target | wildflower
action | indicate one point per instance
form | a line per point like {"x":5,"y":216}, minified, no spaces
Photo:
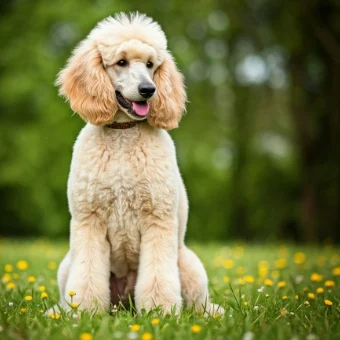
{"x":226,"y":279}
{"x":135,"y":328}
{"x":299,"y":258}
{"x":72,"y":293}
{"x":85,"y":336}
{"x":281,"y":284}
{"x":249,"y":279}
{"x":306,"y":303}
{"x":44,"y":295}
{"x":241,"y":271}
{"x":305,"y":289}
{"x":240,"y":281}
{"x":285,"y":297}
{"x":263,"y":268}
{"x":42,"y":288}
{"x":329,"y":283}
{"x":15,"y":276}
{"x":336,"y":271}
{"x":296,"y":297}
{"x":74,"y":305}
{"x":7,"y":277}
{"x":281,"y":263}
{"x":23,"y":310}
{"x":31,"y":279}
{"x":261,"y":290}
{"x":268,"y":282}
{"x":22,"y":265}
{"x":315,"y":277}
{"x":319,"y":290}
{"x":8,"y":268}
{"x":52,"y":265}
{"x":10,"y":304}
{"x":299,"y":279}
{"x":28,"y":298}
{"x":146,"y":336}
{"x":256,"y":308}
{"x":196,"y":328}
{"x":248,"y":336}
{"x":54,"y":316}
{"x":245,"y":303}
{"x":267,"y":295}
{"x":328,"y":302}
{"x":275,"y":274}
{"x":283,"y":312}
{"x":228,"y":264}
{"x":10,"y":285}
{"x":311,"y":296}
{"x":155,"y":322}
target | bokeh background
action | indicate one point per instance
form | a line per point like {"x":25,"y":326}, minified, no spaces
{"x":259,"y":147}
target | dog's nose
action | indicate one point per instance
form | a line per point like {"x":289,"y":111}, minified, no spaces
{"x":146,"y":90}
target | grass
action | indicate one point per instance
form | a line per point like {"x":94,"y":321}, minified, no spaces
{"x":268,"y":292}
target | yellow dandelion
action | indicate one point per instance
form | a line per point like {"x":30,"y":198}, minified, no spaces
{"x":249,"y":279}
{"x":8,"y":268}
{"x":296,"y":297}
{"x":311,"y":296}
{"x":31,"y":279}
{"x":285,"y":297}
{"x":155,"y":322}
{"x":245,"y":303}
{"x":44,"y":295}
{"x":52,"y":265}
{"x":306,"y":303}
{"x":267,"y":295}
{"x":23,"y":310}
{"x":263,"y":272}
{"x":283,"y":312}
{"x":328,"y":302}
{"x":315,"y":277}
{"x":10,"y":285}
{"x":299,"y":258}
{"x":42,"y":288}
{"x":329,"y":283}
{"x":305,"y":289}
{"x":281,"y":263}
{"x":85,"y":336}
{"x":281,"y":284}
{"x":28,"y":298}
{"x":196,"y":328}
{"x":146,"y":336}
{"x":240,"y":281}
{"x":241,"y":270}
{"x":15,"y":276}
{"x":275,"y":274}
{"x":228,"y":264}
{"x":74,"y":305}
{"x":226,"y":279}
{"x":135,"y":328}
{"x":7,"y":277}
{"x":268,"y":282}
{"x":72,"y":293}
{"x":319,"y":290}
{"x":54,"y":316}
{"x":22,"y":264}
{"x":336,"y":271}
{"x":263,"y":264}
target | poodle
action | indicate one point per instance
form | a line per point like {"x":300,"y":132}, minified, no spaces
{"x":127,"y":200}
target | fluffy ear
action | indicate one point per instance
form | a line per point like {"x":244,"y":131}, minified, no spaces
{"x":169,"y":104}
{"x":87,"y":86}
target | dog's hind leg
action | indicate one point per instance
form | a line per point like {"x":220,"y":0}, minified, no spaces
{"x":63,"y":272}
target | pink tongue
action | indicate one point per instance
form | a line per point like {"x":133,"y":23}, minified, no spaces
{"x":141,"y":109}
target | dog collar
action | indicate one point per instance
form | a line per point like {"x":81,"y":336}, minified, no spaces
{"x":124,"y":125}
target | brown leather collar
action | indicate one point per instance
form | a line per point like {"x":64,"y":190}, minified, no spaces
{"x":124,"y":125}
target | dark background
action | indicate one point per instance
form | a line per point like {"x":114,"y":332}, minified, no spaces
{"x":259,"y":147}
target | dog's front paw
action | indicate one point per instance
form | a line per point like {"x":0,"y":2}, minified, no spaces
{"x":166,"y":296}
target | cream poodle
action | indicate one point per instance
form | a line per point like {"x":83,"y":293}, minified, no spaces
{"x":126,"y":196}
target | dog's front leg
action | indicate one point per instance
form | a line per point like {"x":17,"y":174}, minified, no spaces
{"x":158,"y":282}
{"x":90,"y":265}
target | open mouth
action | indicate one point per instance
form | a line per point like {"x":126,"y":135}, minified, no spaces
{"x":139,"y":109}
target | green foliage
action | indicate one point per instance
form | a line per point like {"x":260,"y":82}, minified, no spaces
{"x":256,"y":308}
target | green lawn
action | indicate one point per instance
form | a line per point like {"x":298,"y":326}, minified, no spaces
{"x":268,"y":292}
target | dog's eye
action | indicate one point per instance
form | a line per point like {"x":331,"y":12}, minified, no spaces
{"x":122,"y":62}
{"x":149,"y":64}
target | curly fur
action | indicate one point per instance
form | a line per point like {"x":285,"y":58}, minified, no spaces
{"x":126,"y":196}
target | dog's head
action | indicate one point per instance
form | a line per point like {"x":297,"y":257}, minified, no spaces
{"x":124,"y":65}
